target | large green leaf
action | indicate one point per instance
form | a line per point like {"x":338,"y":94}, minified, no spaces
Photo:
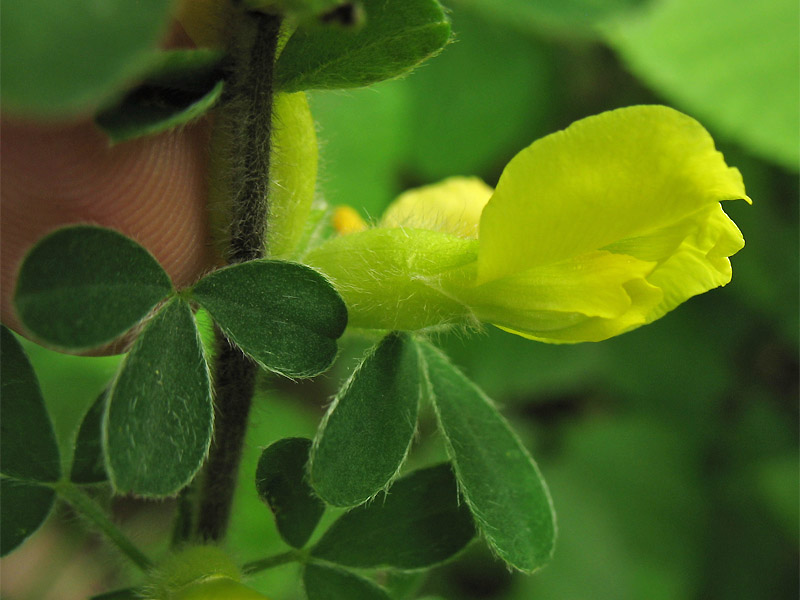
{"x":83,"y":286}
{"x":281,"y":483}
{"x":28,"y":448}
{"x":65,"y":58}
{"x":499,"y":480}
{"x":397,"y":37}
{"x":365,"y":435}
{"x":418,"y":523}
{"x":88,"y":464}
{"x":24,"y":508}
{"x":717,"y":59}
{"x":329,"y":583}
{"x":158,"y":421}
{"x":564,"y":17}
{"x":285,"y":316}
{"x":181,"y":86}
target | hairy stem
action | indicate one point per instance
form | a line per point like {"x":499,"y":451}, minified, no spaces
{"x":246,"y":119}
{"x":89,"y":509}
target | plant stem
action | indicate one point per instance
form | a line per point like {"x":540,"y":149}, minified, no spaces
{"x":246,"y":119}
{"x":271,"y":561}
{"x":87,"y":507}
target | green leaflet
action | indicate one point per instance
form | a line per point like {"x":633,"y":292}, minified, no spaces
{"x":181,"y":86}
{"x":396,"y":37}
{"x":158,"y":421}
{"x":28,"y":449}
{"x":24,"y":508}
{"x":499,"y":480}
{"x":281,"y":484}
{"x":83,"y":286}
{"x":365,"y":435}
{"x":420,"y":522}
{"x":285,"y":316}
{"x":88,"y":465}
{"x":329,"y":583}
{"x":62,"y":59}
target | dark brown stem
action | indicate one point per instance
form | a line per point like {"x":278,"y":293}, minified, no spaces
{"x":246,"y":117}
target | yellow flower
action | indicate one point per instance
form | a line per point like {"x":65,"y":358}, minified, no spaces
{"x":592,"y":231}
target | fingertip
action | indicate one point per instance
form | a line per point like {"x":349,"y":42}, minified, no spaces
{"x":152,"y":189}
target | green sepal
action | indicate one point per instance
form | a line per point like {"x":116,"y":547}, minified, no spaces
{"x":323,"y":582}
{"x":285,"y":316}
{"x":499,"y":480}
{"x":420,"y":522}
{"x":88,"y":464}
{"x":28,"y":447}
{"x":281,"y":484}
{"x":158,"y":420}
{"x":365,"y":435}
{"x":396,"y":37}
{"x":182,"y":86}
{"x":62,"y":59}
{"x":83,"y":286}
{"x":24,"y":508}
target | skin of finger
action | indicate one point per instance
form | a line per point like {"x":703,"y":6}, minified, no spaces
{"x":152,"y":189}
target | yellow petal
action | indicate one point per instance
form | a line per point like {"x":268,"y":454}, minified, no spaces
{"x":620,"y":174}
{"x":587,"y":298}
{"x":699,"y":264}
{"x":346,"y":220}
{"x":452,"y":206}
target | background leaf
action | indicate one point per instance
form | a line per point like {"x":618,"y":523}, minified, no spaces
{"x":396,"y":37}
{"x":500,"y":482}
{"x":158,"y":422}
{"x":62,"y":59}
{"x":24,"y":508}
{"x":285,"y":316}
{"x":699,"y":52}
{"x":180,"y":87}
{"x":281,"y":484}
{"x":418,"y":523}
{"x":365,"y":435}
{"x":83,"y":286}
{"x":88,"y":464}
{"x":329,"y":583}
{"x":571,"y":18}
{"x":28,"y":448}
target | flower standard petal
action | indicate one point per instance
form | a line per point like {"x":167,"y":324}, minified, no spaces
{"x":620,"y":174}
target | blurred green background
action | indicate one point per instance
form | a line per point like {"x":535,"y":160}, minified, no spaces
{"x":671,"y":451}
